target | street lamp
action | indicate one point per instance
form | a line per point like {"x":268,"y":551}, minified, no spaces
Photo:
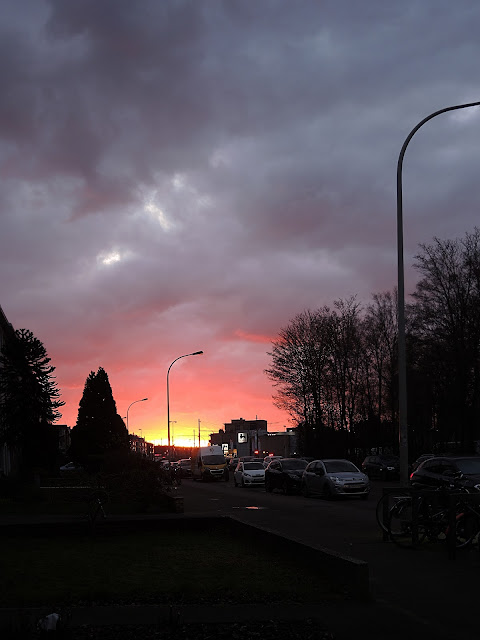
{"x":196,"y":353}
{"x":142,"y":400}
{"x":402,"y":359}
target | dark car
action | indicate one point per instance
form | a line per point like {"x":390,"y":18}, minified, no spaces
{"x":425,"y":456}
{"x":285,"y":474}
{"x":382,"y":466}
{"x":185,"y":465}
{"x":441,"y":471}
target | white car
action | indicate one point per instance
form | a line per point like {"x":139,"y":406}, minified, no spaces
{"x":249,"y":474}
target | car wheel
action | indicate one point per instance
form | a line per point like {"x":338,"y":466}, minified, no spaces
{"x":235,"y":482}
{"x":268,"y":487}
{"x":243,"y":483}
{"x":305,"y":490}
{"x":284,"y":487}
{"x":328,"y":493}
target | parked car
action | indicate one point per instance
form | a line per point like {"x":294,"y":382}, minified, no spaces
{"x":425,"y":456}
{"x":249,"y":474}
{"x":285,"y":474}
{"x":334,"y":477}
{"x":268,"y":459}
{"x":185,"y":465}
{"x":384,"y":467}
{"x":70,"y":467}
{"x":441,"y":471}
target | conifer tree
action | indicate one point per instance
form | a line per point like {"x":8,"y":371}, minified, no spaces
{"x":99,"y":428}
{"x":30,"y":399}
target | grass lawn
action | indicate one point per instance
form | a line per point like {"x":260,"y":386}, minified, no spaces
{"x":150,"y":567}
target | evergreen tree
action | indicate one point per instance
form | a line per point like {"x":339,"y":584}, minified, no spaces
{"x":30,"y":398}
{"x":99,"y":428}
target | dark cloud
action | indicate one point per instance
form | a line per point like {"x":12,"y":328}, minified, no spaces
{"x":181,"y":175}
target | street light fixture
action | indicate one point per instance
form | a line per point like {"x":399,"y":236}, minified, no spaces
{"x":142,"y":400}
{"x":196,"y":353}
{"x":402,"y":359}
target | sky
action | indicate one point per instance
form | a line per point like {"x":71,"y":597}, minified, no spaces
{"x":180,"y":175}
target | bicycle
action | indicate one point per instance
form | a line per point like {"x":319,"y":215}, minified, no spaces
{"x":385,"y":504}
{"x":426,"y":516}
{"x":467,"y":522}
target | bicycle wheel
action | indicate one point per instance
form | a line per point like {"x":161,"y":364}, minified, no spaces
{"x":385,"y":504}
{"x":467,"y":527}
{"x":400,"y":525}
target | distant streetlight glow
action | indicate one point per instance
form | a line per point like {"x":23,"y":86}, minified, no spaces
{"x":196,"y":353}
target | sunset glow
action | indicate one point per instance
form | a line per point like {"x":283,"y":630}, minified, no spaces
{"x":189,"y":176}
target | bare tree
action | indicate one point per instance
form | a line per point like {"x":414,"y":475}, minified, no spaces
{"x":446,"y":327}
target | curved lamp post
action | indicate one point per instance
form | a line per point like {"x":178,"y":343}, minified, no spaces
{"x":196,"y":353}
{"x":142,"y":400}
{"x":402,"y":367}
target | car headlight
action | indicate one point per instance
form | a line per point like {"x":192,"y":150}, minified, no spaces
{"x":247,"y":475}
{"x":336,"y":480}
{"x":477,"y":487}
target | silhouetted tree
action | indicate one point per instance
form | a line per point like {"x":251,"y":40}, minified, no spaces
{"x":446,"y":329}
{"x":99,"y":429}
{"x":30,"y":398}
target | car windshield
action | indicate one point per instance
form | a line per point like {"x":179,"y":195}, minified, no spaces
{"x":250,"y":466}
{"x":340,"y":466}
{"x":216,"y":459}
{"x":470,"y":466}
{"x":294,"y":464}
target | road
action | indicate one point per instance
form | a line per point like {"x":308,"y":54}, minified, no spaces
{"x":322,"y":522}
{"x":431,"y":594}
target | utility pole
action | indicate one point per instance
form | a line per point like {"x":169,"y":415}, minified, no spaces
{"x":199,"y":433}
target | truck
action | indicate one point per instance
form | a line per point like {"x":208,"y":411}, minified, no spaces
{"x":209,"y":463}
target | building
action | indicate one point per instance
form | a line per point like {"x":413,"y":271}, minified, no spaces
{"x":7,"y":456}
{"x":141,"y":446}
{"x":250,"y":437}
{"x":63,"y":434}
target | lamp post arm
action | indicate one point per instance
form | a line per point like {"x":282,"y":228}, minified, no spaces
{"x":196,"y":353}
{"x":402,"y":366}
{"x":141,"y":400}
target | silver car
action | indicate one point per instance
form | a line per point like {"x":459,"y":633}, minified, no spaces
{"x":334,"y":477}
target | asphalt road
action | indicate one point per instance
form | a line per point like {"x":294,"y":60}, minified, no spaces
{"x":324,"y":522}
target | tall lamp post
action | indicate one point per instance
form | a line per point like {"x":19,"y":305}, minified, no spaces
{"x":402,"y":360}
{"x":196,"y":353}
{"x":142,"y":400}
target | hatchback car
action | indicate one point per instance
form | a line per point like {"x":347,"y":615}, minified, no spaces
{"x":249,"y":474}
{"x":185,"y":465}
{"x":334,"y":477}
{"x":441,"y":471}
{"x":384,"y":467}
{"x":285,"y":474}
